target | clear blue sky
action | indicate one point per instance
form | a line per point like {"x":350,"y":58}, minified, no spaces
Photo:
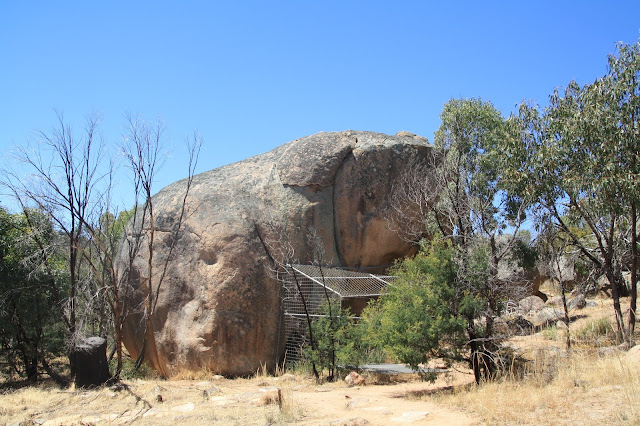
{"x":251,"y":75}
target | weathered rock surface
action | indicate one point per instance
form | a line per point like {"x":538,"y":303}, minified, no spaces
{"x":218,"y":306}
{"x":354,"y":379}
{"x":634,"y":353}
{"x":547,"y":315}
{"x":531,"y":304}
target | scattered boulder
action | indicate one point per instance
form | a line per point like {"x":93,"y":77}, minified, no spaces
{"x":578,"y":302}
{"x":531,"y":304}
{"x":554,"y":301}
{"x":547,"y":316}
{"x":520,"y":326}
{"x":354,"y":379}
{"x":634,"y":353}
{"x":608,"y":351}
{"x":90,"y":358}
{"x":218,"y":307}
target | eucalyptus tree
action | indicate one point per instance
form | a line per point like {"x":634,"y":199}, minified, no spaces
{"x":579,"y":159}
{"x":462,"y":196}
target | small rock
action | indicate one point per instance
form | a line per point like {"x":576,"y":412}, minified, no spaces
{"x":211,"y":391}
{"x":624,"y":346}
{"x":410,"y":417}
{"x":118,"y":387}
{"x":154,"y":412}
{"x":288,"y":377}
{"x":354,"y":421}
{"x":185,"y":408}
{"x":271,"y":397}
{"x":159,"y":398}
{"x":221,"y":400}
{"x":358,"y":402}
{"x":607,"y":350}
{"x":577,"y":302}
{"x":354,"y":379}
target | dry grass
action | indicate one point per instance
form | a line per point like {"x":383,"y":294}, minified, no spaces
{"x":580,"y":389}
{"x":239,"y":401}
{"x":583,"y":388}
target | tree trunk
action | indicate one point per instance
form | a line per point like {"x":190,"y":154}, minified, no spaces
{"x":634,"y":270}
{"x":566,"y":311}
{"x":615,"y":295}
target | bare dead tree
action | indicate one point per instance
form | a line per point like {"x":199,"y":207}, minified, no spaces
{"x":273,"y":231}
{"x":143,"y":149}
{"x":413,"y":200}
{"x":65,"y":185}
{"x":74,"y":187}
{"x":319,"y":259}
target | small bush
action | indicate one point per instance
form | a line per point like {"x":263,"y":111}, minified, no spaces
{"x":596,"y":332}
{"x":550,"y":333}
{"x":129,"y":371}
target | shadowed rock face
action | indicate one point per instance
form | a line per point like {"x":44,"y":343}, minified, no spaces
{"x":218,"y":306}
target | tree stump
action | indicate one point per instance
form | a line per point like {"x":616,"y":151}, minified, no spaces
{"x":90,"y":356}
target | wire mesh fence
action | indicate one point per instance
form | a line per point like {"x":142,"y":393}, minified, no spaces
{"x":306,"y":289}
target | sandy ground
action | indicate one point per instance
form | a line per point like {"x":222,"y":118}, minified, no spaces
{"x":239,"y":401}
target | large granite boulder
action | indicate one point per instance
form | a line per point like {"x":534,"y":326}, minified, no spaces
{"x":219,"y":303}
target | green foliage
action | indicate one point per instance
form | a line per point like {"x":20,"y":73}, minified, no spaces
{"x":595,"y":331}
{"x":550,"y":333}
{"x":580,"y":161}
{"x":525,"y":254}
{"x":340,"y":340}
{"x":420,"y":316}
{"x":30,"y":327}
{"x":130,"y":372}
{"x":331,"y":333}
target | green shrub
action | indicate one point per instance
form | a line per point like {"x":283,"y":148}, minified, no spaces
{"x":129,"y":371}
{"x":595,"y":332}
{"x":550,"y":333}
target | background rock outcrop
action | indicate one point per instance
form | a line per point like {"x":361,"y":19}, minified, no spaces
{"x":218,"y":306}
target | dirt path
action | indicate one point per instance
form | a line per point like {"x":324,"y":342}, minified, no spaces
{"x":239,"y":401}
